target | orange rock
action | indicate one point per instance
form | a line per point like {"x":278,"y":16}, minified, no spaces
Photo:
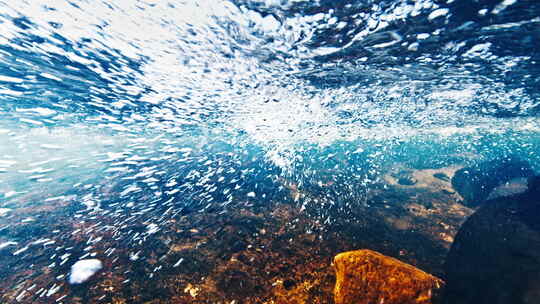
{"x":368,"y":277}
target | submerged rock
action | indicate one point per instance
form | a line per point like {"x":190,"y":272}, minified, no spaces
{"x":442,"y":176}
{"x":365,"y":277}
{"x":405,"y":178}
{"x":82,"y":270}
{"x":512,"y":187}
{"x":475,"y":183}
{"x":495,"y":257}
{"x":407,"y":181}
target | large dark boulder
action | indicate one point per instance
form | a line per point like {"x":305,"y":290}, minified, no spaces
{"x":475,"y":183}
{"x":495,"y":258}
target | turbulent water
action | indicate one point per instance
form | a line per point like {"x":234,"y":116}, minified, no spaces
{"x":138,"y":112}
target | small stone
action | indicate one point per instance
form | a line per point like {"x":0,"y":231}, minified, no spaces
{"x":288,"y":284}
{"x":442,"y":176}
{"x":405,"y":178}
{"x":407,"y":181}
{"x":193,"y":291}
{"x":83,"y":270}
{"x":366,"y":277}
{"x":448,"y":191}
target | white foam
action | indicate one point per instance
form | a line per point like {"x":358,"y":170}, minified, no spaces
{"x":83,"y":270}
{"x":4,"y":211}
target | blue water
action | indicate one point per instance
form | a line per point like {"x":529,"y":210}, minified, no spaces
{"x":145,"y":111}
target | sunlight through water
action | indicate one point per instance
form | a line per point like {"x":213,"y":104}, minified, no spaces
{"x":130,"y":115}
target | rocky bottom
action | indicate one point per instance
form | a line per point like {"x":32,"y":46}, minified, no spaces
{"x":256,"y":252}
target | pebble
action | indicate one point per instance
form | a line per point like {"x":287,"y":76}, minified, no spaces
{"x":82,"y":270}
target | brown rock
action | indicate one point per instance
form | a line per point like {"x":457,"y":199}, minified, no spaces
{"x":365,"y":276}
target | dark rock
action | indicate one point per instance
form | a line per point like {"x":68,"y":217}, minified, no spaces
{"x":475,"y":183}
{"x":442,"y":176}
{"x":288,"y":284}
{"x":407,"y":181}
{"x":446,"y":191}
{"x":495,"y":257}
{"x":405,"y":178}
{"x":534,"y":184}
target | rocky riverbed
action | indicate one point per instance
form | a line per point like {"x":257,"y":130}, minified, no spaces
{"x":255,"y":252}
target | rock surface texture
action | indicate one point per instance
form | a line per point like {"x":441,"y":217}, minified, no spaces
{"x":495,"y":258}
{"x":368,"y":277}
{"x":475,"y":183}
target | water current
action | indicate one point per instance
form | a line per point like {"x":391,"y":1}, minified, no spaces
{"x":120,"y":118}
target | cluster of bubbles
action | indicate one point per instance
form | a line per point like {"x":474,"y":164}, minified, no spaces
{"x":141,"y":111}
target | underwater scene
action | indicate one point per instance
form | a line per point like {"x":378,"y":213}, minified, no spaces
{"x":270,"y":151}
